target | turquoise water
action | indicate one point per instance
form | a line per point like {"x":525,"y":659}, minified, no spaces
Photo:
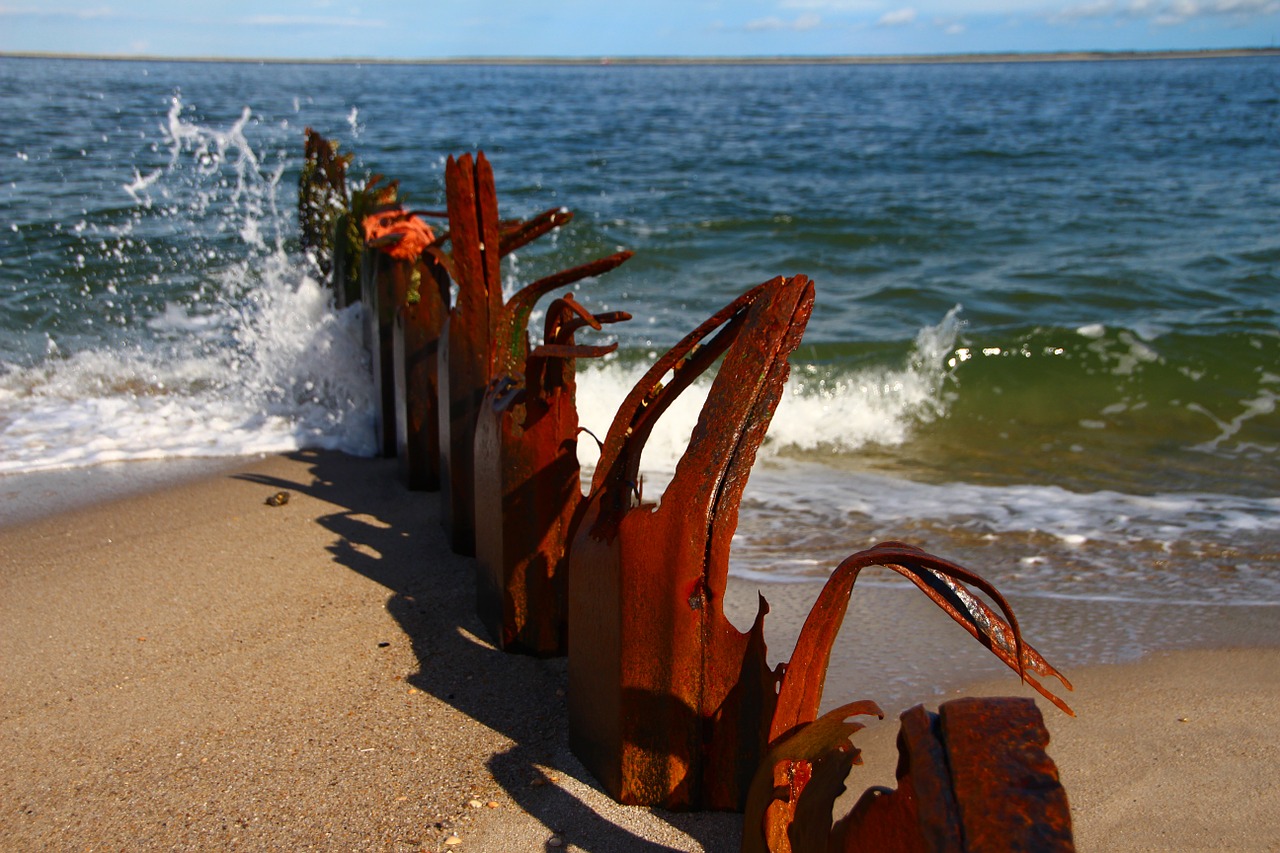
{"x":1046,"y":340}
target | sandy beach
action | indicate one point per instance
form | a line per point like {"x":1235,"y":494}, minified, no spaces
{"x":192,"y":669}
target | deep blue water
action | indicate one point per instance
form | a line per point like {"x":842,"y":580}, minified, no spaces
{"x":1047,"y":293}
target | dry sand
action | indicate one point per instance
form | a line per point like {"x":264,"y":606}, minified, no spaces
{"x":193,"y":669}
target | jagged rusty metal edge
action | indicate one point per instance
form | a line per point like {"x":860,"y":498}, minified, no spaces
{"x":466,"y":345}
{"x":973,"y":777}
{"x":771,"y":811}
{"x":669,"y":703}
{"x":802,"y":683}
{"x":527,"y":485}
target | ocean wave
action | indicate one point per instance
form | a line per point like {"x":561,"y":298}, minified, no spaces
{"x":283,"y":372}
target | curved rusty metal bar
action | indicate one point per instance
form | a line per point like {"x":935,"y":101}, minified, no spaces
{"x":520,"y":233}
{"x":669,"y":702}
{"x":800,"y":774}
{"x":943,"y":581}
{"x":511,"y":340}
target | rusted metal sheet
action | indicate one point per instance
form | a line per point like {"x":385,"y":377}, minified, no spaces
{"x":789,"y":804}
{"x":973,"y":777}
{"x":415,"y":344}
{"x":477,"y":344}
{"x":1006,"y":786}
{"x":944,"y":583}
{"x":466,"y":345}
{"x":669,"y":703}
{"x":527,"y":480}
{"x":391,"y":278}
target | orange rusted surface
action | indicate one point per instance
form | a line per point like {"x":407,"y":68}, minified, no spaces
{"x":466,"y":346}
{"x":398,"y":278}
{"x":973,"y":777}
{"x":527,"y":481}
{"x":788,"y":807}
{"x":484,"y":337}
{"x":669,"y":703}
{"x":399,"y":233}
{"x":415,"y":345}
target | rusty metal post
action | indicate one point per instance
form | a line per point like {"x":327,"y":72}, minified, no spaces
{"x":381,"y":277}
{"x":669,"y":704}
{"x":392,"y":274}
{"x":415,"y":363}
{"x":466,"y":345}
{"x":527,"y":477}
{"x":656,"y":671}
{"x":468,"y":348}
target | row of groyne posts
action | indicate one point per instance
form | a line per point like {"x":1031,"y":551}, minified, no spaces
{"x":670,"y":705}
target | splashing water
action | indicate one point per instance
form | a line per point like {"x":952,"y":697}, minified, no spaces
{"x":252,"y":359}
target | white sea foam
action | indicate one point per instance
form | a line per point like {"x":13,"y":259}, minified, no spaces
{"x":799,"y":520}
{"x":821,"y":408}
{"x":255,"y":360}
{"x":282,"y":372}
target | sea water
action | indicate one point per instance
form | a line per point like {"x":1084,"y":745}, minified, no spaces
{"x":1046,"y":341}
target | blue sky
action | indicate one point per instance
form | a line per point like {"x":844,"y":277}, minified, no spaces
{"x":401,"y":29}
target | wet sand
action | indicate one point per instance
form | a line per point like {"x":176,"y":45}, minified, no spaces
{"x":192,"y":669}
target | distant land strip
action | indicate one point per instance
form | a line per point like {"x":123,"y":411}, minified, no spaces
{"x":900,"y":59}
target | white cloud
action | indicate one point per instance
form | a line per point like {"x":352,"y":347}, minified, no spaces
{"x":897,"y":18}
{"x":309,"y":21}
{"x":803,"y":22}
{"x":1165,"y":12}
{"x":832,"y":5}
{"x":79,"y":14}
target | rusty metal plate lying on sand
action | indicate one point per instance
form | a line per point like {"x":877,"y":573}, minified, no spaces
{"x":973,"y":777}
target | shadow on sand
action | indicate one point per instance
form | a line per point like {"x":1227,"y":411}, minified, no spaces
{"x":395,"y":538}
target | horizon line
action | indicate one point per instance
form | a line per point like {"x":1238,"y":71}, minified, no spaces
{"x":605,"y":60}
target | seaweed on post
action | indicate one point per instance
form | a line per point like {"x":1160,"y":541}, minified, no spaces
{"x":322,"y":197}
